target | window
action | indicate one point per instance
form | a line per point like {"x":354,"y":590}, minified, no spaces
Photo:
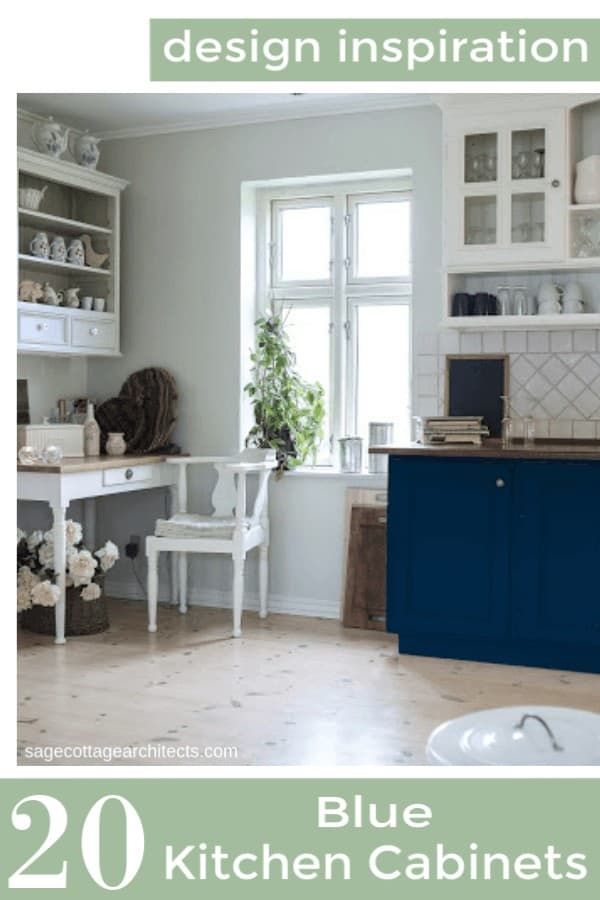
{"x":336,"y":263}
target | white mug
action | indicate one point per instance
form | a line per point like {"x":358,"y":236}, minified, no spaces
{"x":573,"y":292}
{"x":99,"y":304}
{"x":87,"y":302}
{"x":573,"y":306}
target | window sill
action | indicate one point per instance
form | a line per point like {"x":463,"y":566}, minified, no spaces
{"x":372,"y":480}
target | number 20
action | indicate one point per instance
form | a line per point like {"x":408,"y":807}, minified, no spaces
{"x":90,"y":843}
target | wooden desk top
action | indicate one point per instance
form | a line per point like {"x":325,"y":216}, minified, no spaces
{"x":69,"y":464}
{"x":542,"y":449}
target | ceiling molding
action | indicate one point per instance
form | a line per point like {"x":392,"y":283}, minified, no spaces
{"x":232,"y":118}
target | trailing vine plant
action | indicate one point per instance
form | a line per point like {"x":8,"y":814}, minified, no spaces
{"x":288,"y":410}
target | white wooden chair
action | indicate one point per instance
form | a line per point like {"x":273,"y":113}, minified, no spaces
{"x":229,"y":529}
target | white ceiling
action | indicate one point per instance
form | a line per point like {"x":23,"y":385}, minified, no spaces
{"x":116,"y":115}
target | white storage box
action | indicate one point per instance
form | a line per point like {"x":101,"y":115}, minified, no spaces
{"x":68,"y":437}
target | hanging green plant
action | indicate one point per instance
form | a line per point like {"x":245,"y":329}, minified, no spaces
{"x":289,"y":412}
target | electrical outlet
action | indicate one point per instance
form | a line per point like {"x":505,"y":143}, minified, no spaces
{"x":132,"y":547}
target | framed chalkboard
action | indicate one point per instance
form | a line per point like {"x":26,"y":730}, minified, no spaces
{"x":475,"y":386}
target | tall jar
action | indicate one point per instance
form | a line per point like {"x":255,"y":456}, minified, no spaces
{"x":91,"y":433}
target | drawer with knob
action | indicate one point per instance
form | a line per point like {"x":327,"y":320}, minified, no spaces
{"x":91,"y":334}
{"x":127,"y":475}
{"x":38,"y":328}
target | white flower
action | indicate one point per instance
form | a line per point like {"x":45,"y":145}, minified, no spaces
{"x":45,"y":594}
{"x":34,"y":540}
{"x":26,"y":581}
{"x":91,"y":592}
{"x":46,"y":555}
{"x":21,"y":535}
{"x":73,"y":532}
{"x":108,"y":555}
{"x":81,"y":567}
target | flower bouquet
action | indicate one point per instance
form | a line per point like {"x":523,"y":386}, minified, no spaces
{"x":38,"y":593}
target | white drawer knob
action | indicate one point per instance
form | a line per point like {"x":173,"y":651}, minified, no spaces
{"x":500,"y":482}
{"x":94,"y":331}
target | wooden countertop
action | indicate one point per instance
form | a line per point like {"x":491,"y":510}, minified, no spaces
{"x":547,"y":449}
{"x":70,"y":464}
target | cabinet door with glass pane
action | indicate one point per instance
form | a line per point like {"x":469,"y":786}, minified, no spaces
{"x":505,"y":184}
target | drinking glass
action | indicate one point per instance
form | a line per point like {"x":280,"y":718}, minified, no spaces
{"x":529,"y":431}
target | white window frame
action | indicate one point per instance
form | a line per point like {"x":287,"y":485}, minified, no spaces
{"x":344,"y":291}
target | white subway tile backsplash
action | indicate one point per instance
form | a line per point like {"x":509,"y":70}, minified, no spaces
{"x":426,"y":364}
{"x":584,"y":341}
{"x":427,"y":385}
{"x":561,"y":430}
{"x":516,"y":341}
{"x":587,"y":369}
{"x":471,"y":342}
{"x":449,"y":342}
{"x":493,"y":342}
{"x":561,"y":341}
{"x":585,"y":430}
{"x":588,"y":404}
{"x":538,"y":341}
{"x":427,"y":343}
{"x":554,"y":376}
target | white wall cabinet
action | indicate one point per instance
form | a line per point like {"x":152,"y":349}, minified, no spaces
{"x":510,"y":216}
{"x":506,"y":187}
{"x":77,"y":201}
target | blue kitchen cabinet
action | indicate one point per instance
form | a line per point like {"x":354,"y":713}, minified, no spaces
{"x":495,"y":559}
{"x":556,"y":547}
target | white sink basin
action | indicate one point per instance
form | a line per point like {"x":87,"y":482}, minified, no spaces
{"x":518,"y":736}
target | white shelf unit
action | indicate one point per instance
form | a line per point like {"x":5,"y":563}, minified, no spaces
{"x":77,"y":201}
{"x":570,"y":133}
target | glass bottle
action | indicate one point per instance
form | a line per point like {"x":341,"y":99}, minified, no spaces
{"x":91,"y":433}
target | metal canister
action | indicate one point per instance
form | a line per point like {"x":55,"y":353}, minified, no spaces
{"x":350,"y":454}
{"x":380,"y":435}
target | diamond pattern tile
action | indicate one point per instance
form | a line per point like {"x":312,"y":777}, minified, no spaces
{"x":559,"y":386}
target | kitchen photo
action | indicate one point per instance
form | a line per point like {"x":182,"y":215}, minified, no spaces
{"x":308,"y":429}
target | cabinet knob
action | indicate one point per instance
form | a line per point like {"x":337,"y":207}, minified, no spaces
{"x":499,"y":482}
{"x":128,"y":474}
{"x":94,"y":331}
{"x":42,"y":326}
{"x":555,"y":182}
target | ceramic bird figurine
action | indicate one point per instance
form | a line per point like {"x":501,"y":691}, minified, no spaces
{"x":91,"y":257}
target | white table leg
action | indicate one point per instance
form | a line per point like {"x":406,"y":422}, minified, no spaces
{"x":58,"y":525}
{"x":173,"y":557}
{"x":89,"y":523}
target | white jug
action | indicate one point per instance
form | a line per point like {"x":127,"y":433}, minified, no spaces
{"x":587,"y":180}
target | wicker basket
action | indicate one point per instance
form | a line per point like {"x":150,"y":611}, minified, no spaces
{"x":81,"y":616}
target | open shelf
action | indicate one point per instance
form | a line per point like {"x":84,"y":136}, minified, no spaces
{"x":47,"y":309}
{"x":66,"y":226}
{"x":50,"y":265}
{"x":522,"y":323}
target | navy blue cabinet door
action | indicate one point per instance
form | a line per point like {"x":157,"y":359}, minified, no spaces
{"x":448,"y":546}
{"x":556,"y":552}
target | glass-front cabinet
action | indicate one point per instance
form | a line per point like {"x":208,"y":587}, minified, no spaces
{"x":506,"y":183}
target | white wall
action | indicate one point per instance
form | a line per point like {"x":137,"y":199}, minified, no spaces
{"x":181,"y":290}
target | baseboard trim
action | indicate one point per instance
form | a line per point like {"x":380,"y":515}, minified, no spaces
{"x":278,"y":603}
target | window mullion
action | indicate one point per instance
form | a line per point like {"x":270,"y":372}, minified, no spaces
{"x":339,"y":313}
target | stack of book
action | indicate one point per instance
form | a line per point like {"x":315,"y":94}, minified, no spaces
{"x":450,"y":430}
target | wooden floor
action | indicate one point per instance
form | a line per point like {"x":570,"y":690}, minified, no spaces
{"x":292,"y":691}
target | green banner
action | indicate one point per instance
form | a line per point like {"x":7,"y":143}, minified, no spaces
{"x":313,"y":838}
{"x":375,"y":50}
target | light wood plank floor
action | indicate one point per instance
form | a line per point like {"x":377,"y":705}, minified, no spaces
{"x":292,"y":691}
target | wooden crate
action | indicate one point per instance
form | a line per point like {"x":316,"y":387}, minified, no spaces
{"x":365,"y":597}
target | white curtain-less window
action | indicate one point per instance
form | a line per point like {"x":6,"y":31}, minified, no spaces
{"x":338,"y":268}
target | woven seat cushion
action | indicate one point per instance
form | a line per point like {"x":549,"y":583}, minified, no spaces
{"x":188,"y":525}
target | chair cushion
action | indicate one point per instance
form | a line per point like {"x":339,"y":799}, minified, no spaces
{"x":188,"y":525}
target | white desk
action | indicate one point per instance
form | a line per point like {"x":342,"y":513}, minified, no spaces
{"x":83,"y":479}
